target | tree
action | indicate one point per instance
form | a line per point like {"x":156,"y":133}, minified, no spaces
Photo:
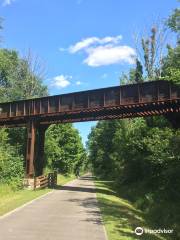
{"x":64,"y":149}
{"x":134,"y":75}
{"x":150,"y":49}
{"x":174,"y":21}
{"x":101,"y":148}
{"x":138,"y":72}
{"x":171,"y":63}
{"x":18,"y":79}
{"x":149,"y":46}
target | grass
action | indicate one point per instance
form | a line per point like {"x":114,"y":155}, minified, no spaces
{"x":63,"y":179}
{"x":10,"y":199}
{"x":120,"y":216}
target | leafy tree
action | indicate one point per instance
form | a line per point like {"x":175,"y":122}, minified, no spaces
{"x":134,"y":75}
{"x":101,"y":148}
{"x":138,"y":72}
{"x":171,"y":63}
{"x":174,"y":21}
{"x":17,"y":79}
{"x":64,"y":149}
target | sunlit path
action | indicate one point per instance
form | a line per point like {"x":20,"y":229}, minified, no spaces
{"x":67,"y":213}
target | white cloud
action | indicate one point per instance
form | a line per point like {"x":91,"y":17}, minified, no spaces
{"x":82,"y":44}
{"x":85,"y":43}
{"x":104,"y":51}
{"x":106,"y":55}
{"x":61,"y":81}
{"x":7,"y":2}
{"x":78,"y":82}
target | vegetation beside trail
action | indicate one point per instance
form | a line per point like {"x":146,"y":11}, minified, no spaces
{"x":63,"y":179}
{"x":121,"y":216}
{"x":11,"y":199}
{"x":143,"y":163}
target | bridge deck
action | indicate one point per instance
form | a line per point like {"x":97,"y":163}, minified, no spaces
{"x":143,"y":99}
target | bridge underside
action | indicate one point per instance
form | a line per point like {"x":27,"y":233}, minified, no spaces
{"x":170,"y":108}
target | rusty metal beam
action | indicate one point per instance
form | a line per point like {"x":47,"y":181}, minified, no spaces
{"x":30,"y":149}
{"x":39,"y":163}
{"x":146,"y":98}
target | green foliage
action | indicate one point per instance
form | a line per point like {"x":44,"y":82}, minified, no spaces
{"x":11,"y":199}
{"x":171,"y":64}
{"x":120,"y":216}
{"x":101,"y":148}
{"x":17,"y":79}
{"x":134,"y":75}
{"x":11,"y":163}
{"x":64,"y":149}
{"x":143,"y":160}
{"x":138,"y":72}
{"x":174,"y":21}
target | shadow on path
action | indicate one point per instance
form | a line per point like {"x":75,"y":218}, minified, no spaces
{"x":87,"y":188}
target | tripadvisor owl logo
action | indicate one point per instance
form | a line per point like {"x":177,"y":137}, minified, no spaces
{"x":139,"y":231}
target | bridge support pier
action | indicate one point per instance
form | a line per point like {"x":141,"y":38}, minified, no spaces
{"x":30,"y":149}
{"x":39,"y":163}
{"x":35,"y":149}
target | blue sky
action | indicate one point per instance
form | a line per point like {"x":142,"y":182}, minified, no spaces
{"x":84,"y":44}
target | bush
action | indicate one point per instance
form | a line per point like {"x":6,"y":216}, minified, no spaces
{"x":11,"y":164}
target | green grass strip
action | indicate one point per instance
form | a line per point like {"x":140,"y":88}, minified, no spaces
{"x":13,"y":199}
{"x":63,"y":179}
{"x":10,"y":200}
{"x":120,"y":216}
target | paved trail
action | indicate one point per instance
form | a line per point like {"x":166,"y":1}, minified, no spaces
{"x":67,"y":214}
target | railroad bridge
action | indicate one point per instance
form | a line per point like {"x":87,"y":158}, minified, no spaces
{"x":127,"y":101}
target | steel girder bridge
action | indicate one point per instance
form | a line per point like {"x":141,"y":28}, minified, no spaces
{"x":127,"y":101}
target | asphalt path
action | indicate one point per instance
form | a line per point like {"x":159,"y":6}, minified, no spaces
{"x":67,"y":213}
